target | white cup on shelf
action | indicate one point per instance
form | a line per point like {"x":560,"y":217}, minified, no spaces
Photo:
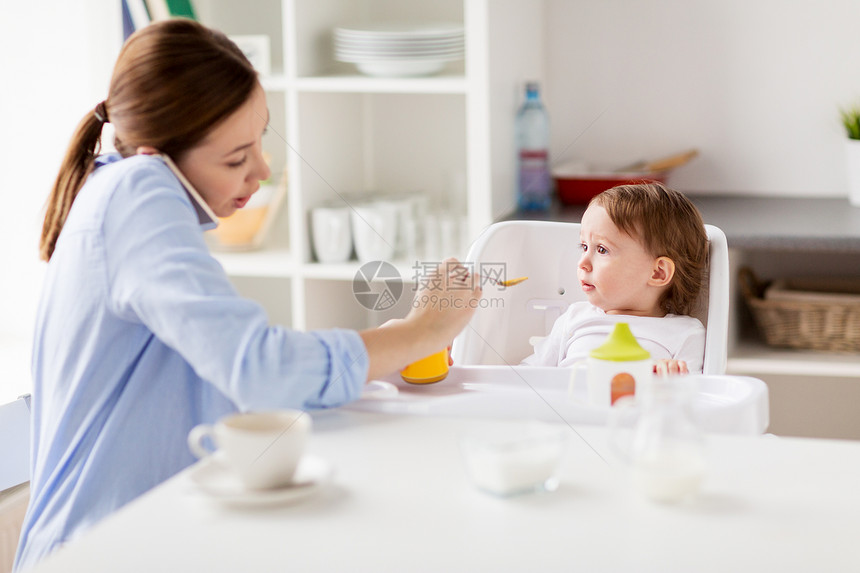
{"x":374,"y":230}
{"x":449,"y":244}
{"x":465,"y":237}
{"x":405,"y":218}
{"x":409,"y":240}
{"x":331,"y":234}
{"x":430,"y":233}
{"x":411,"y":228}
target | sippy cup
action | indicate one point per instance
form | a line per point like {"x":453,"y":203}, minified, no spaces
{"x":617,"y":367}
{"x":430,"y":369}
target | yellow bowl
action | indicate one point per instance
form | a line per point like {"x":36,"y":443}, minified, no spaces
{"x":241,"y":228}
{"x":433,"y":368}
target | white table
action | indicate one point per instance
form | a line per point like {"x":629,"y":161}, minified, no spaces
{"x":400,"y":500}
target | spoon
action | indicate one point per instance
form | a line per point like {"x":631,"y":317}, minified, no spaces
{"x":509,"y":282}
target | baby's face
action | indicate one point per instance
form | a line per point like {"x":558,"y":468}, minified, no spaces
{"x":615,"y":271}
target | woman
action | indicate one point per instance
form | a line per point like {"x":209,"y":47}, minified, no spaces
{"x":140,"y":335}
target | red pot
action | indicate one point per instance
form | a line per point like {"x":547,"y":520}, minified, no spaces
{"x":579,"y":188}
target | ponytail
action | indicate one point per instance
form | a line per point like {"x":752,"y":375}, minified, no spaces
{"x":76,"y":166}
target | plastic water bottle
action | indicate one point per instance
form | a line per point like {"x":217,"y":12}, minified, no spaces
{"x":534,"y":186}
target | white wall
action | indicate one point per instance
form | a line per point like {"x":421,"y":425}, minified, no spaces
{"x":754,"y":84}
{"x":55,"y":63}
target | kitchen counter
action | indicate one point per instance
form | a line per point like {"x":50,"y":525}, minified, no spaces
{"x":760,"y":223}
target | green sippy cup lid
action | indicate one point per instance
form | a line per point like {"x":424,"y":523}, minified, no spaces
{"x":621,"y":346}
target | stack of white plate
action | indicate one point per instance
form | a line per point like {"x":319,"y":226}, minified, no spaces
{"x":398,"y":50}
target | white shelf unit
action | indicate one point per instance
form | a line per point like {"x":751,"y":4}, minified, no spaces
{"x":755,"y":358}
{"x":269,"y":263}
{"x":748,"y":354}
{"x":342,"y":135}
{"x":812,"y":394}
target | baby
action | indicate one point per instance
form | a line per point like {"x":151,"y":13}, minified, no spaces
{"x":644,"y":254}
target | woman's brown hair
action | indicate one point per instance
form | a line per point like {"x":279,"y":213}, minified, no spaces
{"x":173,"y":82}
{"x":668,"y":225}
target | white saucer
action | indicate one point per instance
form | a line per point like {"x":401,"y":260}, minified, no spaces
{"x":216,"y":481}
{"x":379,"y":390}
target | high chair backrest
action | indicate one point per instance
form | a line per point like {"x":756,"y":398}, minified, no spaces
{"x":548,"y":253}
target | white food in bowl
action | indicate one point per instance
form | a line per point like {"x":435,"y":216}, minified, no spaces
{"x":517,"y":459}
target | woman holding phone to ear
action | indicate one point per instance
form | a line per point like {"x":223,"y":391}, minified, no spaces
{"x":140,"y":335}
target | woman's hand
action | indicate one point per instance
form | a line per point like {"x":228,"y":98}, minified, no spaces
{"x":446,"y":299}
{"x":444,"y":302}
{"x":666,"y":367}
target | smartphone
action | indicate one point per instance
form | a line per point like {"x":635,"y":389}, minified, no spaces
{"x":204,"y":212}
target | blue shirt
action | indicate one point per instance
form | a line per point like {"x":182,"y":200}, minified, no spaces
{"x":139,"y":337}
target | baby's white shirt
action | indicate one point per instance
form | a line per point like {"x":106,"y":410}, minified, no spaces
{"x":583,"y":327}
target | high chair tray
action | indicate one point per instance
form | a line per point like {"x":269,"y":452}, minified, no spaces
{"x":722,"y":404}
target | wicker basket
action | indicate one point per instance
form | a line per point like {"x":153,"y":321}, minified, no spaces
{"x":810,"y":314}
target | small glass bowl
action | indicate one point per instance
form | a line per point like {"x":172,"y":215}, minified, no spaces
{"x":513,"y":459}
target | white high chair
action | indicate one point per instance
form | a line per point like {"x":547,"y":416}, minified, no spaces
{"x":548,"y":253}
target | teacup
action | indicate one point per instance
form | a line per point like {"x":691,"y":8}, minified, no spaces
{"x":374,"y":229}
{"x":331,"y":234}
{"x":261,"y":448}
